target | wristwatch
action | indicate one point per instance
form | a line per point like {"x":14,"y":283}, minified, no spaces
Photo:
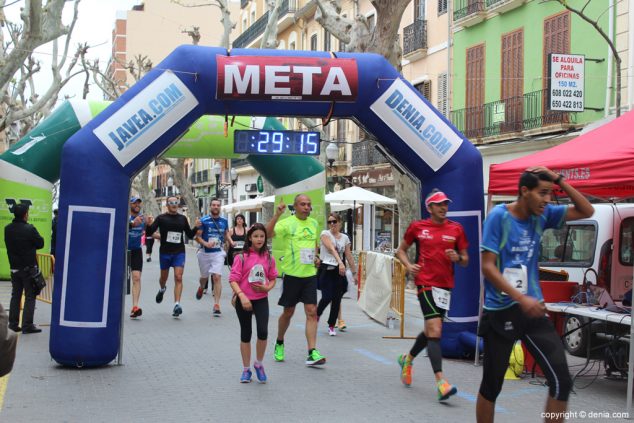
{"x":559,"y":179}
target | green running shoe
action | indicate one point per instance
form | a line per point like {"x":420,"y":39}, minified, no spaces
{"x":315,"y":358}
{"x":279,"y":352}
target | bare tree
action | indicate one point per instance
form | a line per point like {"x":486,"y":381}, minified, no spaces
{"x":595,"y":24}
{"x":228,"y":26}
{"x":21,"y":106}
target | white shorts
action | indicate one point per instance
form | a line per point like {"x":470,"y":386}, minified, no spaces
{"x":210,"y":263}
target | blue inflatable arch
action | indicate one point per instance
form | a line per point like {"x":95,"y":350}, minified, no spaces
{"x":99,"y":161}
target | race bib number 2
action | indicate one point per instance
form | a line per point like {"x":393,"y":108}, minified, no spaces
{"x":517,"y":277}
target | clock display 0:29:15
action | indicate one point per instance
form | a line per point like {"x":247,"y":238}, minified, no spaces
{"x":276,"y":142}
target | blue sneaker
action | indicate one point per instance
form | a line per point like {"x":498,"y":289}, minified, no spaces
{"x":178,"y":310}
{"x":246,"y":376}
{"x":259,"y":372}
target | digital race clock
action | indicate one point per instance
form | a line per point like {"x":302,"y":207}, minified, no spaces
{"x":262,"y":141}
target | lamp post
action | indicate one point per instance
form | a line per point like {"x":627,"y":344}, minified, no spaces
{"x":332,"y":153}
{"x":233,"y":174}
{"x":216,"y":170}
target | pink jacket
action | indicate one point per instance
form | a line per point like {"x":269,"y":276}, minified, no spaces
{"x":255,"y":268}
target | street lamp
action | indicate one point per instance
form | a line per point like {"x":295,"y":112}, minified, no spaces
{"x":332,"y":153}
{"x":216,"y":170}
{"x":233,"y":173}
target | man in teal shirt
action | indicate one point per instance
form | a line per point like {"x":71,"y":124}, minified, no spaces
{"x":301,"y":243}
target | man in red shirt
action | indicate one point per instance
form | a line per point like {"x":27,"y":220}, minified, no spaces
{"x":440,"y":243}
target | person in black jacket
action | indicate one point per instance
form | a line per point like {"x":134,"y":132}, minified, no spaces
{"x":22,"y":240}
{"x":172,"y":250}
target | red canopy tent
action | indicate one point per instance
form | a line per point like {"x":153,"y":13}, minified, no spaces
{"x":598,"y":163}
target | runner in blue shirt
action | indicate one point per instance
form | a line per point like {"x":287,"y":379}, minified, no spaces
{"x":211,"y":255}
{"x":135,"y":253}
{"x":513,"y":305}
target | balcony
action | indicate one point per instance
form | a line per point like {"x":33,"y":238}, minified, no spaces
{"x":415,"y":40}
{"x":468,"y":12}
{"x":501,"y":6}
{"x":287,"y":10}
{"x":364,"y":154}
{"x":511,"y":116}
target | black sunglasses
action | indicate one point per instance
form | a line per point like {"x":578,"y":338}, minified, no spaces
{"x":330,"y":222}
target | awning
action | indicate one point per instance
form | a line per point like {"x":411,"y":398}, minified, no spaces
{"x":252,"y":204}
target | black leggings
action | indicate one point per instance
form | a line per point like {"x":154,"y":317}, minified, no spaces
{"x":500,"y":329}
{"x":149,"y":243}
{"x":332,"y":286}
{"x":261,"y":311}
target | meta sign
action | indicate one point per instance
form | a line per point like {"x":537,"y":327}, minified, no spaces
{"x":286,"y":78}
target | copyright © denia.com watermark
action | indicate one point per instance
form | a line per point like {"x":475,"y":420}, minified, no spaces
{"x":587,"y":415}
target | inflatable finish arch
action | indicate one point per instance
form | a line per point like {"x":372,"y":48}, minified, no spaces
{"x":194,"y":81}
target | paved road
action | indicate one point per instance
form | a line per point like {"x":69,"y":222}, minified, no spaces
{"x":187,"y":370}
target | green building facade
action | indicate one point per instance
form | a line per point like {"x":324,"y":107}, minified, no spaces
{"x":500,"y":66}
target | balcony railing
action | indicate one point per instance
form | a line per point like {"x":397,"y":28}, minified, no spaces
{"x":257,"y":29}
{"x":513,"y":114}
{"x":415,"y":37}
{"x":465,"y":8}
{"x":365,"y":154}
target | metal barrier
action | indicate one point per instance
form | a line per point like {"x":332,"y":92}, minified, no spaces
{"x":46,"y":263}
{"x":397,"y":302}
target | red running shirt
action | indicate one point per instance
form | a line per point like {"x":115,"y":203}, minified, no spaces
{"x":433,"y":239}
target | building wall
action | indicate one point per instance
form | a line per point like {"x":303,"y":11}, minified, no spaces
{"x":624,"y":40}
{"x":530,"y":17}
{"x":158,"y":29}
{"x":430,"y":67}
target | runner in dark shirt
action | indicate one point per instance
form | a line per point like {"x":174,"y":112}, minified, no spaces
{"x":172,"y":250}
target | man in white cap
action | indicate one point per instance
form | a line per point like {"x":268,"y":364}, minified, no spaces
{"x":440,"y":243}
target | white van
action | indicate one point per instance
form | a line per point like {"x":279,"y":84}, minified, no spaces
{"x":597,"y":250}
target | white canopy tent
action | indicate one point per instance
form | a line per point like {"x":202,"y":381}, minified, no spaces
{"x":252,"y":204}
{"x":351,"y":198}
{"x":359,"y":195}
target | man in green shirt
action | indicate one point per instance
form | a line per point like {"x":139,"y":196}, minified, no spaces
{"x":299,"y":264}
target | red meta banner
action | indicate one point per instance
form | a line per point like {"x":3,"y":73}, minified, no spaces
{"x":286,"y":78}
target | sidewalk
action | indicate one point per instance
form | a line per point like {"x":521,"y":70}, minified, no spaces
{"x":187,"y":370}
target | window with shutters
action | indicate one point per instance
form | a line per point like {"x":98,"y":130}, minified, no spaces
{"x":513,"y":81}
{"x":419,"y":10}
{"x":474,"y":113}
{"x":442,"y":100}
{"x":442,"y":7}
{"x":327,"y":39}
{"x":425,"y":89}
{"x":556,"y":40}
{"x":313,"y":42}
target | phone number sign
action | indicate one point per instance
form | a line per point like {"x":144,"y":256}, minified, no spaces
{"x":566,"y":88}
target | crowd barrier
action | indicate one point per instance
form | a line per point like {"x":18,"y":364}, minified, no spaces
{"x":46,"y":263}
{"x":397,"y":301}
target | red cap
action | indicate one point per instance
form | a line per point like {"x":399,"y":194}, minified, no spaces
{"x":437,"y":197}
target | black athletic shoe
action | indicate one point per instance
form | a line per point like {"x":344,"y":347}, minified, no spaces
{"x":159,"y":296}
{"x":31,"y":329}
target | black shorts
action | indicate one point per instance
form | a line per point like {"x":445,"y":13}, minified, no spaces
{"x":136,"y":260}
{"x":500,"y":329}
{"x":428,"y":305}
{"x":298,"y":290}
